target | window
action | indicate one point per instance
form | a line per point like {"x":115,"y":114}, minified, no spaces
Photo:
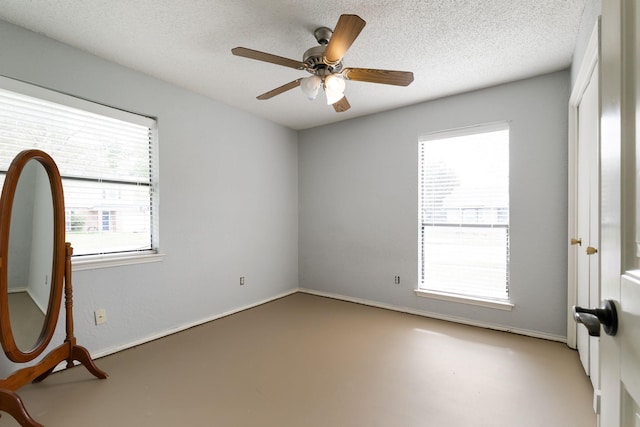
{"x":464,"y":213}
{"x":105,"y":158}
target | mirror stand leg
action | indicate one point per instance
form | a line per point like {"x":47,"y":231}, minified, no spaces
{"x":82,"y":355}
{"x":43,"y":376}
{"x":11,"y":403}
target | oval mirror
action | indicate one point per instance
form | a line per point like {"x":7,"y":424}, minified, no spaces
{"x":31,"y":239}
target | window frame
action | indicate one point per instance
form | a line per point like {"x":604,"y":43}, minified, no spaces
{"x":86,"y":262}
{"x":421,"y":290}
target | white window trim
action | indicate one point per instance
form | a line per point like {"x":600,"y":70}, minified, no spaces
{"x":466,"y":130}
{"x":93,"y":262}
{"x":482,"y":302}
{"x":51,"y":95}
{"x":90,"y":262}
{"x":506,"y":304}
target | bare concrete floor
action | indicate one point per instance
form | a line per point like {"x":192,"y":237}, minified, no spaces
{"x":309,"y":361}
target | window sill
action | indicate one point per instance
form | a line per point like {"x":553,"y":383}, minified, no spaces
{"x":103,"y":261}
{"x":500,"y":305}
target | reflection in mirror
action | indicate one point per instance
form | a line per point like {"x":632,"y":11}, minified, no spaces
{"x":30,"y":256}
{"x":36,"y":269}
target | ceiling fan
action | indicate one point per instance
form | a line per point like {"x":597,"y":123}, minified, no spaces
{"x":324,"y":62}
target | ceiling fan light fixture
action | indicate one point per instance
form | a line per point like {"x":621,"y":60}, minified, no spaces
{"x":334,"y":86}
{"x":310,"y":86}
{"x":324,"y":62}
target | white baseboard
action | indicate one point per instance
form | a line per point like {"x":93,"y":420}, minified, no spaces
{"x":535,"y":334}
{"x":112,"y":350}
{"x":455,"y":319}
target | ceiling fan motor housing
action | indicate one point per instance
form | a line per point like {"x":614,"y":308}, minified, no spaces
{"x":314,"y":57}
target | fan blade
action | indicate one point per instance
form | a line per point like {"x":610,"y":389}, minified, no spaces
{"x":342,"y":105}
{"x":347,"y":29}
{"x":388,"y":77}
{"x":279,"y":90}
{"x":267,"y":57}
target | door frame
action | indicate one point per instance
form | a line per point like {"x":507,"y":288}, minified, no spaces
{"x":589,"y":62}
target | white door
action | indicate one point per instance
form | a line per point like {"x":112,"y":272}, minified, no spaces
{"x":584,"y":205}
{"x":591,"y":105}
{"x":629,"y":340}
{"x":620,"y":214}
{"x":587,"y":216}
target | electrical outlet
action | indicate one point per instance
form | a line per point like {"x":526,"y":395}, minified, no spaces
{"x":101,"y":316}
{"x":396,"y":280}
{"x":241,"y":280}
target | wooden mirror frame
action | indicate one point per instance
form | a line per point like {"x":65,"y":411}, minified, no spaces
{"x":7,"y":338}
{"x":69,"y":351}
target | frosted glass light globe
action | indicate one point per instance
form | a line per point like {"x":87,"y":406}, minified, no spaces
{"x":310,"y":86}
{"x":334,"y":86}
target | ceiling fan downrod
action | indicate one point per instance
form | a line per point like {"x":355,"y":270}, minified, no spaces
{"x":323,"y":35}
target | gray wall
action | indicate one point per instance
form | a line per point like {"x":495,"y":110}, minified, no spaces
{"x":228,"y":200}
{"x":591,"y":14}
{"x":359,"y":203}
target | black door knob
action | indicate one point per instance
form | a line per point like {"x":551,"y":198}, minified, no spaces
{"x":592,"y":318}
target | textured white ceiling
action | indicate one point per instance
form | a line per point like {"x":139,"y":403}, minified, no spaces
{"x":452,"y":46}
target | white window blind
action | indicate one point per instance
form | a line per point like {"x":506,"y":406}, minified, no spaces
{"x":464,"y":212}
{"x":105,"y":158}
